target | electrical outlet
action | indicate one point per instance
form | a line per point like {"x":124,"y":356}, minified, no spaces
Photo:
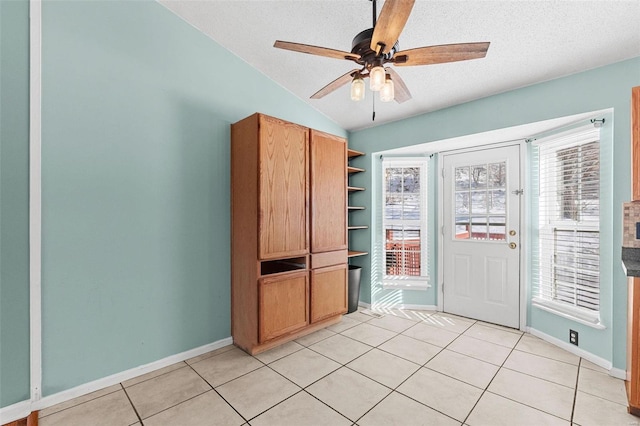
{"x":573,"y":337}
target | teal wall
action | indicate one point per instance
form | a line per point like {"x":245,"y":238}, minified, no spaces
{"x":135,"y":174}
{"x":597,"y":89}
{"x":14,"y":202}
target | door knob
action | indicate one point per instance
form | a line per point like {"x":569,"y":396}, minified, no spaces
{"x":512,"y":245}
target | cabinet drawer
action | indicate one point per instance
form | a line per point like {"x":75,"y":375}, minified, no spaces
{"x":328,"y":292}
{"x":283,"y":304}
{"x":330,"y":258}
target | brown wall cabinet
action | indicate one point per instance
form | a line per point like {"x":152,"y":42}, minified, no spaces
{"x":288,"y":231}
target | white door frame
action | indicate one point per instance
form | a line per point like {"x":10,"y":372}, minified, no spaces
{"x":524,"y":216}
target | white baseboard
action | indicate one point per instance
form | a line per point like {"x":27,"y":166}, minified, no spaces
{"x":601,"y":362}
{"x":618,"y":373}
{"x":114,"y":379}
{"x":364,"y":305}
{"x":404,"y":306}
{"x":419,"y":307}
{"x":14,"y":412}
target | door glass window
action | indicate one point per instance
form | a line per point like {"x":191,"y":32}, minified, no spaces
{"x":480,"y":202}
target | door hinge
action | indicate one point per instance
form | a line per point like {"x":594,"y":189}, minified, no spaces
{"x":443,"y":172}
{"x":442,"y":229}
{"x":518,"y":192}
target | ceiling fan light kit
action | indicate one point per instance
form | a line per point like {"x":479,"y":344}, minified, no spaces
{"x":376,"y":78}
{"x":387,"y":93}
{"x":377,"y":46}
{"x":357,"y":88}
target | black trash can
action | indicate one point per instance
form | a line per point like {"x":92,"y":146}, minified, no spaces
{"x":354,"y":288}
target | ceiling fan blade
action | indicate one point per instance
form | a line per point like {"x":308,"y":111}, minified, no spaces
{"x":391,"y":21}
{"x":401,"y":92}
{"x":316,"y":50}
{"x":441,"y":54}
{"x":334,"y":85}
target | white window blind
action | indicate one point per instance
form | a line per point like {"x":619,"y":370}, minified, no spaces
{"x":568,"y":244}
{"x":404,"y":220}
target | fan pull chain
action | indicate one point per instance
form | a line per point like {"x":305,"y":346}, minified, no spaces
{"x":373,"y":106}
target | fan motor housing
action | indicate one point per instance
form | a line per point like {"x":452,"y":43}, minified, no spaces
{"x":361,"y":45}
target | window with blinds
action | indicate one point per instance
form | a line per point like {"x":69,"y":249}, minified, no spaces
{"x":568,"y":243}
{"x":404,"y":221}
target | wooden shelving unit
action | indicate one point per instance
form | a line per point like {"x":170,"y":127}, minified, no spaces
{"x":352,"y":153}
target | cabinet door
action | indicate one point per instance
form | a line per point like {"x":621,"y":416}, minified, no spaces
{"x":328,"y":192}
{"x":328,"y":292}
{"x":283,"y":189}
{"x":283,"y":304}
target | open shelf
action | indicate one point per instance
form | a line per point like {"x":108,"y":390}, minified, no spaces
{"x":353,"y":253}
{"x":283,"y":265}
{"x":353,"y":153}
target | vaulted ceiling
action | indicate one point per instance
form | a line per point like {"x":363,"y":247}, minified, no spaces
{"x":531,"y":42}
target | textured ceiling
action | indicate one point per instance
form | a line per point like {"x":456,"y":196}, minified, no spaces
{"x":531,"y":41}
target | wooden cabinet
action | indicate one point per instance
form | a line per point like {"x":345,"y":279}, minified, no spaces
{"x":328,"y":292}
{"x":290,"y":290}
{"x":633,"y":300}
{"x":328,"y":192}
{"x":283,"y":189}
{"x":288,"y":231}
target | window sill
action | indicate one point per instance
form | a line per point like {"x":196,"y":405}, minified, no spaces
{"x":402,"y":283}
{"x":557,"y":309}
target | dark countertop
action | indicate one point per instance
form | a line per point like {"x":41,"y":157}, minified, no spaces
{"x":631,"y":261}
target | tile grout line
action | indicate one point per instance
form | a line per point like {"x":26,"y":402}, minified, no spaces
{"x":78,"y":404}
{"x":401,"y":383}
{"x":218,"y":393}
{"x":154,"y":377}
{"x":491,"y":381}
{"x":513,"y":400}
{"x":303,"y":389}
{"x":135,"y":410}
{"x":575,"y":392}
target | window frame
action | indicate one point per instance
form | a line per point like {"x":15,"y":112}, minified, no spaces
{"x":407,"y":282}
{"x":573,"y":138}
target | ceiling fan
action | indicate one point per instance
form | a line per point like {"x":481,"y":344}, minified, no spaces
{"x":375,"y":47}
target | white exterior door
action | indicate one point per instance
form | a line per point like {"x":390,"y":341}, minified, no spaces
{"x":481,"y":213}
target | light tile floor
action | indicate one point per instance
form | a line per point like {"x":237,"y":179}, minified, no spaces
{"x":405,"y":368}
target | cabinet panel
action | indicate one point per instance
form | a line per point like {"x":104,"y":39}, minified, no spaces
{"x":328,"y":192}
{"x":635,"y":143}
{"x":283,"y":189}
{"x":633,"y":345}
{"x":283,"y":304}
{"x":328,"y":292}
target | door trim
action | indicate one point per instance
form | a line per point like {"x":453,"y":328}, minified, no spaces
{"x":524,"y":218}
